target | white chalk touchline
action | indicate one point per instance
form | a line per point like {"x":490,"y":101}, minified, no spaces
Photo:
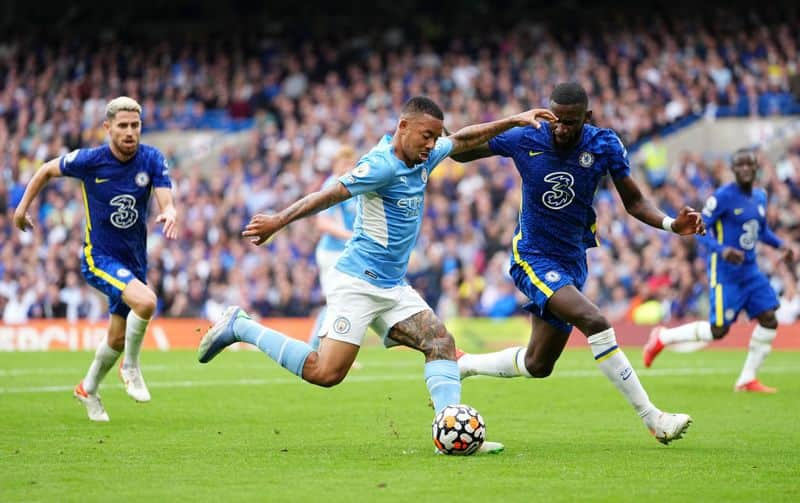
{"x":403,"y":377}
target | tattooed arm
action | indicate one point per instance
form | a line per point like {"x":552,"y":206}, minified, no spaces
{"x":263,"y":226}
{"x":472,"y":137}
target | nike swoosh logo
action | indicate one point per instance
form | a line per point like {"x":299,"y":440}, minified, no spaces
{"x":738,"y":211}
{"x":101,"y":180}
{"x":534,"y":154}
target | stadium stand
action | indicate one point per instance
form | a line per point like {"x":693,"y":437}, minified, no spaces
{"x":295,"y":98}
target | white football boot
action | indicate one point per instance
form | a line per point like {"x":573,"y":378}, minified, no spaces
{"x":94,"y":407}
{"x":670,"y":427}
{"x":134,"y":383}
{"x":490,"y":448}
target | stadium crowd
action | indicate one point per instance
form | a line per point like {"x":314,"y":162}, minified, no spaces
{"x":644,"y":77}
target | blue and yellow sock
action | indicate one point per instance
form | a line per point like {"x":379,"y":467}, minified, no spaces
{"x":616,"y":367}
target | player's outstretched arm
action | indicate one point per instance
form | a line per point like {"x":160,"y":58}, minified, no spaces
{"x":263,"y":226}
{"x":472,"y":139}
{"x":168,"y":213}
{"x":687,"y":222}
{"x":46,"y":171}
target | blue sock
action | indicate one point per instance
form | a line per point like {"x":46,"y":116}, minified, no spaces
{"x":313,"y":341}
{"x":290,"y":353}
{"x":444,"y":383}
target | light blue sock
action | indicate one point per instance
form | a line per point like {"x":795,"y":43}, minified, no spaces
{"x":444,"y":383}
{"x":290,"y":353}
{"x":313,"y":341}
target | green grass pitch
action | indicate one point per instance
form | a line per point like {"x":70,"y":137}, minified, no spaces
{"x":241,"y":428}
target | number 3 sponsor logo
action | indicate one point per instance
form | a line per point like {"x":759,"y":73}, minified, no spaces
{"x":126,"y":214}
{"x":560,"y":194}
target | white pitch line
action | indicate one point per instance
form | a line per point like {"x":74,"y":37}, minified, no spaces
{"x":167,"y":368}
{"x":402,"y":377}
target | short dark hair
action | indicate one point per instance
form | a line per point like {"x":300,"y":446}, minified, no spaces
{"x":424,"y":105}
{"x":743,"y":151}
{"x":569,"y":93}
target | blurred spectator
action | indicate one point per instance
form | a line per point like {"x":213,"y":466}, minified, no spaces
{"x":301,"y":100}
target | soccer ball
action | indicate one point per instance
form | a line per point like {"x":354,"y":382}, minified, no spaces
{"x":458,"y":430}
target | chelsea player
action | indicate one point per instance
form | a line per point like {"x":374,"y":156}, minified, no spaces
{"x":116,"y":180}
{"x":736,"y":214}
{"x":368,"y":287}
{"x":561,"y":165}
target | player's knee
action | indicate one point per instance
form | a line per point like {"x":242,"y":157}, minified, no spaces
{"x":719,"y":332}
{"x":329,"y":380}
{"x":768,"y":320}
{"x":539,"y":369}
{"x":149,"y":306}
{"x":325,"y":378}
{"x":592,"y":322}
{"x":145,"y":305}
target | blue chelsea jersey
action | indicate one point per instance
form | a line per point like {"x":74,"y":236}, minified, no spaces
{"x":735,"y":219}
{"x":391,"y":197}
{"x":556,"y":217}
{"x":116,"y":196}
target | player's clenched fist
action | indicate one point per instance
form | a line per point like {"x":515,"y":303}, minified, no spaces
{"x":688,"y":222}
{"x":22,"y":220}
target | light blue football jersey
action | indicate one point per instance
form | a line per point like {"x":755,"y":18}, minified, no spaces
{"x":344,"y":212}
{"x":391,"y":199}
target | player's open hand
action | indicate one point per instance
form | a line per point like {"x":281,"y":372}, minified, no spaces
{"x":22,"y":220}
{"x":261,"y":228}
{"x":168,"y":217}
{"x":533,"y":116}
{"x":732,"y":255}
{"x":689,"y":222}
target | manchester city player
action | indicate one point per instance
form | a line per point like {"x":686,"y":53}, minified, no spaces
{"x":367,"y":284}
{"x":561,"y":165}
{"x":116,"y":181}
{"x":336,"y":227}
{"x":736,"y":214}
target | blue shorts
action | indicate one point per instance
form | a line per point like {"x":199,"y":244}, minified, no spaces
{"x":539,"y":277}
{"x":110,"y":276}
{"x":752,"y":293}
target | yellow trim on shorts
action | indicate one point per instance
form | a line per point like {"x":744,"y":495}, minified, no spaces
{"x":538,"y":283}
{"x":87,"y":249}
{"x":713,"y":269}
{"x":718,"y":307}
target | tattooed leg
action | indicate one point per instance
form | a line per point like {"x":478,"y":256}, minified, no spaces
{"x":425,"y":332}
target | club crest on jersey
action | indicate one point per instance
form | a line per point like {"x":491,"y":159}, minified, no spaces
{"x":142,"y":179}
{"x":341,"y":325}
{"x":586,"y":159}
{"x":552,"y":276}
{"x":361,"y":170}
{"x":424,"y":175}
